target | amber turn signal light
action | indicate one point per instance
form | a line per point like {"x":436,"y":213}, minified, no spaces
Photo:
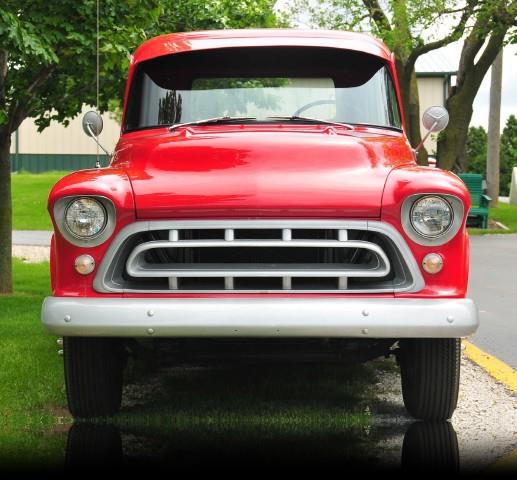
{"x":84,"y":264}
{"x":432,"y":263}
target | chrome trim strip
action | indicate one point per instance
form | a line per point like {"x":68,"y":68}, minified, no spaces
{"x":136,"y":265}
{"x":262,"y":317}
{"x":100,"y":284}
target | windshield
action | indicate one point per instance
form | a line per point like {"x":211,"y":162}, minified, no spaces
{"x":320,"y":83}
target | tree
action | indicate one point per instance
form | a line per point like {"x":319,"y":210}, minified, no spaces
{"x":48,"y":62}
{"x":408,"y":27}
{"x":494,"y":130}
{"x":508,"y":153}
{"x":476,"y":150}
{"x":495,"y":22}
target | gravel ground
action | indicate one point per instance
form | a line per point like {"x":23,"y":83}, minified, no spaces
{"x":31,"y":253}
{"x":485,"y":420}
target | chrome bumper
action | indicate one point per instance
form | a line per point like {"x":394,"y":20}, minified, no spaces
{"x":260,"y":317}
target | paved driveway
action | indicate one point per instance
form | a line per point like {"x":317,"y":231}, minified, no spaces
{"x":32,"y":237}
{"x":493,"y":285}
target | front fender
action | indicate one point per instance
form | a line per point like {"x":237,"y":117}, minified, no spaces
{"x":452,"y":281}
{"x":107,"y":182}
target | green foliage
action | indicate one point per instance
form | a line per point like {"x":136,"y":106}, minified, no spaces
{"x":476,"y":150}
{"x":508,"y":153}
{"x":51,"y":48}
{"x":189,"y":15}
{"x":403,"y":25}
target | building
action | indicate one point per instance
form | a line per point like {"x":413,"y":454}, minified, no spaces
{"x":435,"y":74}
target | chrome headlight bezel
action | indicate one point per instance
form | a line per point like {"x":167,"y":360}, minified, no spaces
{"x":61,"y":208}
{"x":457,"y":214}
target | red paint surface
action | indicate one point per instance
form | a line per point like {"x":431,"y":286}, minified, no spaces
{"x":261,"y":171}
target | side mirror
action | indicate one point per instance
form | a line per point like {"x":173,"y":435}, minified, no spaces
{"x":434,"y":119}
{"x":92,"y":124}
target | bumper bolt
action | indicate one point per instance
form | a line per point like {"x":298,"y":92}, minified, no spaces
{"x":150,"y":313}
{"x":68,"y":318}
{"x":150,"y":331}
{"x":60,"y":353}
{"x":364,"y":331}
{"x":366,"y":313}
{"x":59,"y":341}
{"x":450,"y":319}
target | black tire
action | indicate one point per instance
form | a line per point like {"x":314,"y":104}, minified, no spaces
{"x":430,"y":372}
{"x":431,"y":446}
{"x":93,"y":375}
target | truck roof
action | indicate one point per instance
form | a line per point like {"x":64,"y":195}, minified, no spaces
{"x":268,"y":37}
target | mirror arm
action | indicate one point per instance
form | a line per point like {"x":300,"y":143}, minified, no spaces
{"x":88,"y":126}
{"x":421,"y":144}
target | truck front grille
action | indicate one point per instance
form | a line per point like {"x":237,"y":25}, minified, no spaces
{"x":254,"y":256}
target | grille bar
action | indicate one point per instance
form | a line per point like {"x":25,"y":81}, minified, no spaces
{"x":304,"y":256}
{"x":138,"y":266}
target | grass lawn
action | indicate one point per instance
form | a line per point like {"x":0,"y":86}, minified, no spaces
{"x":30,"y":192}
{"x":31,"y":377}
{"x":504,"y":213}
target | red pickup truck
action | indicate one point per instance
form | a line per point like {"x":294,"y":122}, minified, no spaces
{"x":262,"y":193}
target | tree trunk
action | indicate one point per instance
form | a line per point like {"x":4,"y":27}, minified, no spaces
{"x":6,"y":285}
{"x":414,"y":119}
{"x":452,"y":141}
{"x":411,"y":104}
{"x":494,"y":134}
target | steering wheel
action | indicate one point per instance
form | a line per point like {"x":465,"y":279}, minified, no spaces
{"x":328,"y":101}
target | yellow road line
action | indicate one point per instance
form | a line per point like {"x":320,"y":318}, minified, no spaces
{"x":495,"y":367}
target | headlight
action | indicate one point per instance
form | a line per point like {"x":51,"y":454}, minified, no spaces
{"x":85,"y":217}
{"x":431,"y":216}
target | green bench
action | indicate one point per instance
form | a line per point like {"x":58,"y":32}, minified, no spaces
{"x":478,"y":213}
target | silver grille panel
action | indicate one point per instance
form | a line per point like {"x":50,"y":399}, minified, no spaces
{"x":258,"y":256}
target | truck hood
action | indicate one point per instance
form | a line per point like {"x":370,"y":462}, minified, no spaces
{"x":279,"y":171}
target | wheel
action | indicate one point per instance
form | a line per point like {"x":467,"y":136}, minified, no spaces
{"x":431,"y":446}
{"x":430,"y":373}
{"x":93,"y":375}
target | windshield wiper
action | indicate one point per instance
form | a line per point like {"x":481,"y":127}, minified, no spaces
{"x":296,"y":118}
{"x":208,"y":121}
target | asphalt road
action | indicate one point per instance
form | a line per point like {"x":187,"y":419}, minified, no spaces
{"x":493,"y":286}
{"x":32,"y":237}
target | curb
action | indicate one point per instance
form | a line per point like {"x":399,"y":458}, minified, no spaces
{"x":508,"y":377}
{"x":495,"y":367}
